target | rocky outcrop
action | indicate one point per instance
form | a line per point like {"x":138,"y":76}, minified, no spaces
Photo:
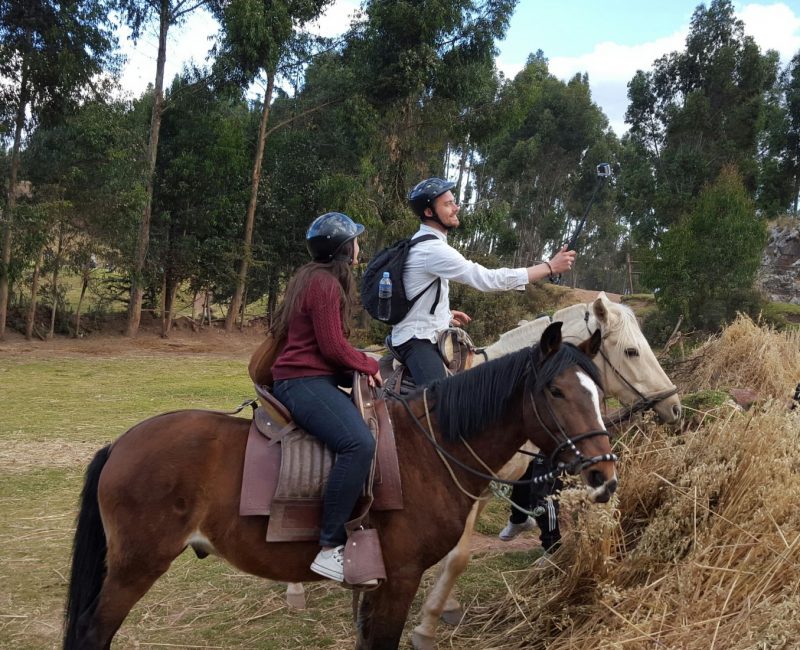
{"x":780,"y":265}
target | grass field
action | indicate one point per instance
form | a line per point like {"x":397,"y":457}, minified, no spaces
{"x":58,"y":405}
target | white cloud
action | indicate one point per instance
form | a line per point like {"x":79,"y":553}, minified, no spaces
{"x":336,"y":19}
{"x":774,"y":27}
{"x":611,"y":66}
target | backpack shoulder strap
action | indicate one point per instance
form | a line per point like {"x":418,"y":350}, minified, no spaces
{"x":417,"y":240}
{"x":437,"y":281}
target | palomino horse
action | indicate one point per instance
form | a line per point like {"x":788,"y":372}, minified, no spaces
{"x":173,"y":481}
{"x":630,"y":372}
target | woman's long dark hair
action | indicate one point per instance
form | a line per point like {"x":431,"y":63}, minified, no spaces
{"x":340,"y":268}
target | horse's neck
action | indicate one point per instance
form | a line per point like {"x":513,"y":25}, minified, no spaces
{"x":518,"y":338}
{"x":575,"y":329}
{"x":494,"y":446}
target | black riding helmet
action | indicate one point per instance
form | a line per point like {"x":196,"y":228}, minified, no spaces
{"x":328,"y":233}
{"x":424,"y":193}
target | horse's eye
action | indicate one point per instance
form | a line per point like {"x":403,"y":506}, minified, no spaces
{"x":631,"y":352}
{"x":556,"y":392}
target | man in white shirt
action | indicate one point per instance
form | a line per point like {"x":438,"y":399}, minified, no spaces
{"x":414,"y":338}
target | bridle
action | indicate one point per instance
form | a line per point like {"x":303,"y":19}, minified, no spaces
{"x":644,"y":402}
{"x":580,"y":462}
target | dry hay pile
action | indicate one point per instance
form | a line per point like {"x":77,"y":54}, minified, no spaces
{"x":702,"y":547}
{"x":745,"y":355}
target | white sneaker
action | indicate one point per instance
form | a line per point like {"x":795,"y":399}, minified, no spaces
{"x":512,"y":530}
{"x":330,"y":564}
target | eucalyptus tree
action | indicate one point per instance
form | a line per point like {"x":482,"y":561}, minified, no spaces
{"x":81,"y":171}
{"x":540,"y":162}
{"x":708,"y":261}
{"x":202,"y":185}
{"x":138,"y":14}
{"x":257,"y":37}
{"x":427,"y":68}
{"x":50,"y":56}
{"x":779,"y":183}
{"x":700,"y":109}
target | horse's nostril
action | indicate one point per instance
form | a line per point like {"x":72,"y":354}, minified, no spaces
{"x":596,"y":479}
{"x":676,"y":410}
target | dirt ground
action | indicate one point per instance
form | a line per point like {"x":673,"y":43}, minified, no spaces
{"x":182,"y":339}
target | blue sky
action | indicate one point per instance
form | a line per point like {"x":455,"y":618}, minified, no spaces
{"x":608,"y":39}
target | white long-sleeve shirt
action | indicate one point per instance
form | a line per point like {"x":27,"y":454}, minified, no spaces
{"x":433,"y":259}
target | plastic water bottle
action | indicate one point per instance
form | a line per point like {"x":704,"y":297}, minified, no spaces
{"x":385,"y":297}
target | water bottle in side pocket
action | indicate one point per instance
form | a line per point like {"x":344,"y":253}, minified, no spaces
{"x":385,"y":297}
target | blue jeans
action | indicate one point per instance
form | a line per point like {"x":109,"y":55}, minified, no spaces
{"x":325,"y":411}
{"x":423,"y":360}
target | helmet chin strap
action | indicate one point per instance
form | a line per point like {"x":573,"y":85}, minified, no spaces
{"x":436,"y":218}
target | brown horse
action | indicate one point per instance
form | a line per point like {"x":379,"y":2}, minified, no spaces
{"x":173,"y":481}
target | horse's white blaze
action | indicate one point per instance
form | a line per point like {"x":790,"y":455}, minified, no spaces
{"x":200,"y":542}
{"x":588,"y":384}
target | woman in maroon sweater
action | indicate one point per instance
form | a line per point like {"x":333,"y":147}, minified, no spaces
{"x":315,"y":361}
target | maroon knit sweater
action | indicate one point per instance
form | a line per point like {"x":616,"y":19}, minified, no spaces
{"x":316,"y":344}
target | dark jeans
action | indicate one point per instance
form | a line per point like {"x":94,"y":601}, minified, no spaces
{"x":321,"y":408}
{"x":423,"y":361}
{"x":537,"y":496}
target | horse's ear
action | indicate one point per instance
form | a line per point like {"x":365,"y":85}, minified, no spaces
{"x":591,"y":346}
{"x":551,"y":339}
{"x":599,"y":308}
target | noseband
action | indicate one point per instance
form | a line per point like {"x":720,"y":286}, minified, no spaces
{"x":580,"y":462}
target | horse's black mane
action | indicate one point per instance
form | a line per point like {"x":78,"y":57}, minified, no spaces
{"x":471,"y":401}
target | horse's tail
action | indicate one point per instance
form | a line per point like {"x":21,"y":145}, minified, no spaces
{"x":88,"y":554}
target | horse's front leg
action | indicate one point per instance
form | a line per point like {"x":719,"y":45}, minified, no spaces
{"x":383,"y":613}
{"x":440,"y":602}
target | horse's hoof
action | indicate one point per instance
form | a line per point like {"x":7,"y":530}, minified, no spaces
{"x":296,"y":598}
{"x":422,"y":642}
{"x":453,"y":616}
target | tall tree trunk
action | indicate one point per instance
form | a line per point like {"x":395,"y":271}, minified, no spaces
{"x":56,"y":269}
{"x":142,"y":243}
{"x":236,"y":301}
{"x":84,"y":286}
{"x":244,"y":308}
{"x":462,"y":165}
{"x":162,"y":301}
{"x":11,"y":199}
{"x":272,"y":296}
{"x":31,"y":318}
{"x":171,"y":293}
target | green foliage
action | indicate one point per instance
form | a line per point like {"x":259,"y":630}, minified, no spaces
{"x":695,"y":112}
{"x":203,"y":182}
{"x":540,"y":164}
{"x":707,"y":263}
{"x":782,"y":315}
{"x":51,"y":52}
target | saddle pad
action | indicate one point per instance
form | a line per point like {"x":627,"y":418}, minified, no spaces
{"x":294,"y":509}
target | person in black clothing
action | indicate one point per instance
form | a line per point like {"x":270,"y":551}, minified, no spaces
{"x":536,"y":498}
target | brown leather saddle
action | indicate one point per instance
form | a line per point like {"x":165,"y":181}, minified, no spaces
{"x":286,"y":468}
